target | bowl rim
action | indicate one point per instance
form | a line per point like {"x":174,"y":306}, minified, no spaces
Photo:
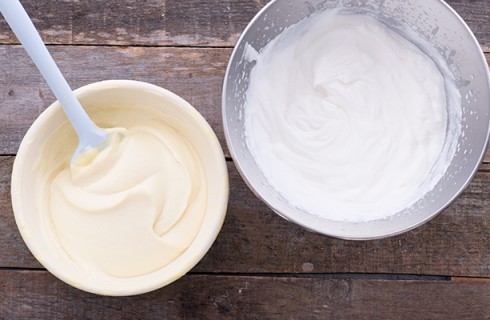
{"x":206,"y":239}
{"x":312,"y":228}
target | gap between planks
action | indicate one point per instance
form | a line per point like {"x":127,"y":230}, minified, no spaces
{"x":484,"y":167}
{"x":109,"y":45}
{"x":470,"y":279}
{"x":326,"y":276}
{"x":485,"y":49}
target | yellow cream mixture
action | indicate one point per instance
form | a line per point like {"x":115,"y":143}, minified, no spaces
{"x":136,"y":207}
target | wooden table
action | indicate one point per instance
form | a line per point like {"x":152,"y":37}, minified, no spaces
{"x":260,"y":267}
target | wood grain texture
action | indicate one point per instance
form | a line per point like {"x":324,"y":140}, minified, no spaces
{"x":260,"y":267}
{"x":255,"y":240}
{"x":132,"y":22}
{"x":13,"y":251}
{"x":173,"y":23}
{"x":196,"y":74}
{"x":38,"y":295}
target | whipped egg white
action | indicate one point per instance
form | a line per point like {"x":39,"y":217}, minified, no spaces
{"x":345,"y":117}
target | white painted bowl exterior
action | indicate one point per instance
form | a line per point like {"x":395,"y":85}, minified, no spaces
{"x":39,"y":239}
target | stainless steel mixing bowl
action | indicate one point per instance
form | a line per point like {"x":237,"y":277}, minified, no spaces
{"x":435,"y":21}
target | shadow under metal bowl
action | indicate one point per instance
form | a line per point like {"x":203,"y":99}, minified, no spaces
{"x":448,"y":33}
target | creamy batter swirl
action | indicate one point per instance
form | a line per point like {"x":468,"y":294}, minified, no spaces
{"x":135,"y":208}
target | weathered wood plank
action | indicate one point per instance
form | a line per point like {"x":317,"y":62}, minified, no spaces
{"x":13,"y":251}
{"x":255,"y":240}
{"x":38,"y":295}
{"x":165,"y":22}
{"x":132,"y":22}
{"x":193,"y":73}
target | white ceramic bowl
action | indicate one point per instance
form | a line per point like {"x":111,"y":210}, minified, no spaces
{"x":106,"y":97}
